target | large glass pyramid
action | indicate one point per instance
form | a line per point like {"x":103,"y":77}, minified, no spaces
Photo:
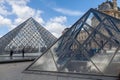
{"x":29,"y":35}
{"x":90,"y":46}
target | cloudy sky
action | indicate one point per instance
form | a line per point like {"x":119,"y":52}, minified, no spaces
{"x":54,"y":15}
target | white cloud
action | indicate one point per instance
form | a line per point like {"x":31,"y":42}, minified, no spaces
{"x":2,"y":1}
{"x":23,"y":12}
{"x":3,"y":8}
{"x":68,"y":12}
{"x":20,"y":2}
{"x":60,"y":19}
{"x":56,"y":25}
{"x":38,"y":17}
{"x":4,"y":21}
{"x":3,"y":11}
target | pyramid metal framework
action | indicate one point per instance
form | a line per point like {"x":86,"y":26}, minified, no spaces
{"x":29,"y":35}
{"x":90,"y":46}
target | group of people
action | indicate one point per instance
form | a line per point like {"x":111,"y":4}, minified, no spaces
{"x":12,"y":52}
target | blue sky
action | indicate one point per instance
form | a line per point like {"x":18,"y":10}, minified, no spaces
{"x":54,"y":15}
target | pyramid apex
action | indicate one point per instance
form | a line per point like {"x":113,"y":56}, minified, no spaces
{"x":30,"y":18}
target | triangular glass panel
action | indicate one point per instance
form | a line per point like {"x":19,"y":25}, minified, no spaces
{"x":91,"y":20}
{"x":45,"y":63}
{"x":87,"y":47}
{"x":82,"y":35}
{"x":100,"y":16}
{"x":114,"y":65}
{"x":115,"y":23}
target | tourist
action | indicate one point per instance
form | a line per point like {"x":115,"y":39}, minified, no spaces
{"x":23,"y":52}
{"x":11,"y":54}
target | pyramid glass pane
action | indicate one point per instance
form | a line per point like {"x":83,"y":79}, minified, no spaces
{"x":29,"y":35}
{"x":90,"y":46}
{"x":46,"y":63}
{"x":99,"y":16}
{"x":114,"y":65}
{"x":91,"y":20}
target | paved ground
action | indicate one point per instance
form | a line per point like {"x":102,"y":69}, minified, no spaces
{"x":13,"y":71}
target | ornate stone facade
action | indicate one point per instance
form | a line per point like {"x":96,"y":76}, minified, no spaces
{"x":110,"y":8}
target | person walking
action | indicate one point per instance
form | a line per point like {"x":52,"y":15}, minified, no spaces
{"x":23,"y":52}
{"x":11,"y":54}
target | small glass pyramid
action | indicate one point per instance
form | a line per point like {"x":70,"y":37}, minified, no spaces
{"x":29,"y":35}
{"x":90,"y":46}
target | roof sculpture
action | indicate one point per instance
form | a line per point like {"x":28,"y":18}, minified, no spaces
{"x":110,"y":7}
